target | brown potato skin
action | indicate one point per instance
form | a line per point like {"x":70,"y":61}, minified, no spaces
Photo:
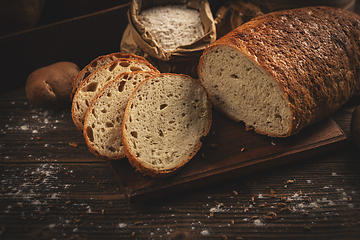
{"x":50,"y":86}
{"x":355,"y":126}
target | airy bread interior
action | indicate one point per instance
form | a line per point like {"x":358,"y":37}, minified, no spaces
{"x":244,"y":91}
{"x":102,"y":127}
{"x":164,"y":121}
{"x":92,"y":85}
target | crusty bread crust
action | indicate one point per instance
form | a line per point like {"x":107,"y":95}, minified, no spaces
{"x":96,"y":64}
{"x":313,"y":53}
{"x":129,"y":150}
{"x":93,"y":84}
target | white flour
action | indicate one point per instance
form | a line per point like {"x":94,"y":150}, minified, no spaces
{"x":40,"y":120}
{"x":34,"y":180}
{"x":172,"y":26}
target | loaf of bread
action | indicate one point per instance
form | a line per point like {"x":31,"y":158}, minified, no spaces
{"x":92,"y":85}
{"x":103,"y":120}
{"x":96,"y":64}
{"x":164,"y":121}
{"x":284,"y":70}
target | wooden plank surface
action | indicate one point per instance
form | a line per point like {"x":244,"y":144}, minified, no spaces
{"x":51,"y":190}
{"x":51,"y":195}
{"x":229,"y":151}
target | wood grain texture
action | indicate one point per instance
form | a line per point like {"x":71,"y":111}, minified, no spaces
{"x":65,"y":192}
{"x":229,"y":151}
{"x":51,"y":190}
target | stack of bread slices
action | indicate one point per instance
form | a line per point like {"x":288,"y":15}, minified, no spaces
{"x":126,"y":108}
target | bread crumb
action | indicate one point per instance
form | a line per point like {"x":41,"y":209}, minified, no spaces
{"x":73,"y":144}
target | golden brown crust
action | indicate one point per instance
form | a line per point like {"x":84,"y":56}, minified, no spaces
{"x":313,"y":53}
{"x":87,"y":79}
{"x":166,"y":173}
{"x":94,"y":64}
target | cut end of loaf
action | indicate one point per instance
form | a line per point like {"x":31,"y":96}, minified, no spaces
{"x":244,"y":91}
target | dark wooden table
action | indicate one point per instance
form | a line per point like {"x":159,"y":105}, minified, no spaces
{"x":52,"y":187}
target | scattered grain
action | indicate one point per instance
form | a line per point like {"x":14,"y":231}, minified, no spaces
{"x":272,"y":214}
{"x":285,"y":209}
{"x":73,"y":144}
{"x":281,"y":204}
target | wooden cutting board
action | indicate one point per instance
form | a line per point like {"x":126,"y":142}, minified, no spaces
{"x":229,"y":151}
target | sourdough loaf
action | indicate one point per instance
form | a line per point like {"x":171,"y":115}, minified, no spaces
{"x":96,"y":64}
{"x":103,"y":120}
{"x":92,"y":85}
{"x":164,"y":121}
{"x":285,"y":70}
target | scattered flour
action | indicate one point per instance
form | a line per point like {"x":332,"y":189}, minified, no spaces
{"x":258,"y":223}
{"x":24,"y":185}
{"x":172,"y":26}
{"x":122,"y":225}
{"x":205,"y":232}
{"x":219,"y":208}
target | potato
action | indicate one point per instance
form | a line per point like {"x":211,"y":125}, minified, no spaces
{"x":50,"y":86}
{"x":355,"y":126}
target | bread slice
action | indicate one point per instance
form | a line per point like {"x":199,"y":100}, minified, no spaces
{"x":92,"y":85}
{"x":285,"y":70}
{"x":103,"y":120}
{"x":164,"y":121}
{"x":96,"y":64}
